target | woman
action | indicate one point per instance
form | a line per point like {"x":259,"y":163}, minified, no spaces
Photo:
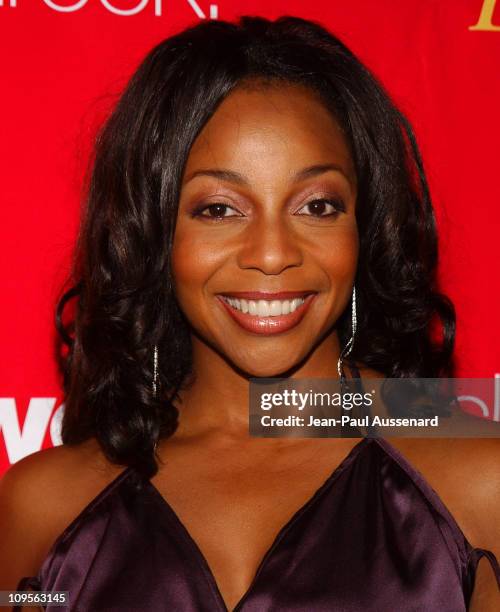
{"x":257,"y":208}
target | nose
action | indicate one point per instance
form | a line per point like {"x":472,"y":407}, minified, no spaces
{"x":270,"y":246}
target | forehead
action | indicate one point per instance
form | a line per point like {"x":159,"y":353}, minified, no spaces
{"x":271,"y":128}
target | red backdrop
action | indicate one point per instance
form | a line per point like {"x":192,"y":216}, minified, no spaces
{"x":64,"y":62}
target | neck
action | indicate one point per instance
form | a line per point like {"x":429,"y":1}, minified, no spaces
{"x":216,"y":403}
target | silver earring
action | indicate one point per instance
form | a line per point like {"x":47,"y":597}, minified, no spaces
{"x":155,"y":382}
{"x":155,"y":370}
{"x":348,"y":347}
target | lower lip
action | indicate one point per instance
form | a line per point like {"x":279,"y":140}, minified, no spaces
{"x":267,"y":326}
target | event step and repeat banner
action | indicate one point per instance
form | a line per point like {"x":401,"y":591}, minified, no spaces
{"x":64,"y":64}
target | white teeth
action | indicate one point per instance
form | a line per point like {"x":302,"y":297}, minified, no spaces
{"x":285,"y":307}
{"x":265,"y":308}
{"x":275,"y":308}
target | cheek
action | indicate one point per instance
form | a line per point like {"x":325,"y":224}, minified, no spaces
{"x":193,"y":264}
{"x":337,"y":255}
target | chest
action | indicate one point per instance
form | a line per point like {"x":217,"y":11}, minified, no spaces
{"x":234,"y":511}
{"x":239,"y":514}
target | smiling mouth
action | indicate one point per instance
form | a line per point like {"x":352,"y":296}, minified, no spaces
{"x":265,"y":308}
{"x":275,"y":313}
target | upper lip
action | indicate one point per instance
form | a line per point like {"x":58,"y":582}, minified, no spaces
{"x":267,"y":295}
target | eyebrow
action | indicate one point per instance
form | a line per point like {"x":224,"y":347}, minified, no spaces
{"x":235,"y":177}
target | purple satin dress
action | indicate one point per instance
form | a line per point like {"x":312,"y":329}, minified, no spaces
{"x":375,"y":537}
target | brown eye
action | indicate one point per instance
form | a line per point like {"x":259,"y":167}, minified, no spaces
{"x":323,"y":208}
{"x":215,"y":211}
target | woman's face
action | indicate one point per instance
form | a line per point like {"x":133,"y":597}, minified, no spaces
{"x":266,"y":220}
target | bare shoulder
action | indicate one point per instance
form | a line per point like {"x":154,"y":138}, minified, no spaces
{"x":40,"y":496}
{"x":57,"y":471}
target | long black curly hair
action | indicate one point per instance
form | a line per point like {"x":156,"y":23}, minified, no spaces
{"x":121,"y":277}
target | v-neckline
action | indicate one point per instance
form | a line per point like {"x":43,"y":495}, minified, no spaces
{"x":202,"y":561}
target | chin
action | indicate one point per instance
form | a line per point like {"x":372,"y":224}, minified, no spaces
{"x":264,"y":372}
{"x":267,"y":368}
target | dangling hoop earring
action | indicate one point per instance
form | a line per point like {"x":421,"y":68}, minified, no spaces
{"x":348,"y":347}
{"x":155,"y":383}
{"x":155,"y":370}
